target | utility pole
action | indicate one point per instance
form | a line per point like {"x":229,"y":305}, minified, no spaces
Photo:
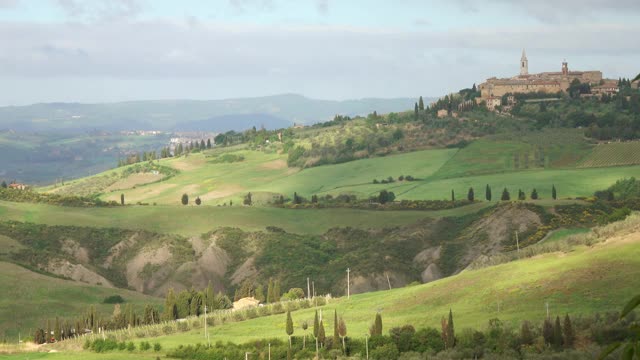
{"x":348,"y":285}
{"x":205,"y":325}
{"x":547,"y":305}
{"x":366,"y":341}
{"x":308,"y":289}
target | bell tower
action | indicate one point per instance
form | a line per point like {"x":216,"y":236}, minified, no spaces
{"x":524,"y":64}
{"x":565,"y":68}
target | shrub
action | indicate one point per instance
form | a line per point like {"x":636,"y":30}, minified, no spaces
{"x":385,"y":352}
{"x":167,"y":329}
{"x":131,"y":346}
{"x":113,"y":299}
{"x":145,"y":346}
{"x":157,"y":347}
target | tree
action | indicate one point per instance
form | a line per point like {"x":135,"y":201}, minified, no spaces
{"x":547,"y":332}
{"x":470,"y":195}
{"x":259,"y":293}
{"x":296,"y":199}
{"x":383,"y":197}
{"x":569,"y":334}
{"x":453,"y":196}
{"x":415,"y":111}
{"x":521,"y":195}
{"x":270,"y":292}
{"x":557,"y":334}
{"x":376,"y":327}
{"x":321,"y":334}
{"x":336,"y":334}
{"x":316,"y":325}
{"x":451,"y":336}
{"x":4,"y":184}
{"x":202,"y":145}
{"x":121,"y":199}
{"x":314,"y":199}
{"x":505,"y":195}
{"x":170,"y":310}
{"x":342,"y":331}
{"x":248,"y":200}
{"x":526,"y":337}
{"x":305,"y":326}
{"x":185,"y":199}
{"x":421,"y":104}
{"x":56,"y":330}
{"x":48,"y":331}
{"x":198,"y":201}
{"x":534,"y":194}
{"x":554,"y":194}
{"x":208,"y":143}
{"x":289,"y":327}
{"x":487,"y":193}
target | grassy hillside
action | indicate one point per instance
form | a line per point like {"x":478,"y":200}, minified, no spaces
{"x":35,"y":297}
{"x":578,"y":281}
{"x":613,"y":154}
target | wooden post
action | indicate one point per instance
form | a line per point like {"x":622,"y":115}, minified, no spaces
{"x":366,"y":340}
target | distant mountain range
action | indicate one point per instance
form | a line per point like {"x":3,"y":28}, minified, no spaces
{"x":210,"y":115}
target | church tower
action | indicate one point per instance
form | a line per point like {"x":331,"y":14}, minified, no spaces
{"x":524,"y":64}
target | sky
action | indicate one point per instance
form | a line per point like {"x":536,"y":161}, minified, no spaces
{"x":121,"y":50}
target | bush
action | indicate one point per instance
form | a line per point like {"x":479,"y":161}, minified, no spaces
{"x":385,"y":352}
{"x":113,"y":299}
{"x":145,"y":346}
{"x":157,"y":347}
{"x":131,"y":346}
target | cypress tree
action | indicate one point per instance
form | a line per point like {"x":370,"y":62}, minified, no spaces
{"x":336,"y":334}
{"x":521,"y":195}
{"x":4,"y":184}
{"x":289,"y":327}
{"x":121,"y":199}
{"x":554,"y":194}
{"x":569,"y":334}
{"x":48,"y":337}
{"x":453,"y":196}
{"x":56,"y":330}
{"x":202,"y":145}
{"x":185,"y":199}
{"x":470,"y":195}
{"x":547,"y":332}
{"x":421,"y":104}
{"x":378,"y":324}
{"x":316,"y":325}
{"x":534,"y":194}
{"x":342,"y":331}
{"x":198,"y":201}
{"x":415,"y":111}
{"x":321,"y":334}
{"x":270,"y":291}
{"x":451,"y":336}
{"x":170,"y":310}
{"x":557,"y":334}
{"x":208,"y":143}
{"x":526,"y":337}
{"x":487,"y":193}
{"x":505,"y":195}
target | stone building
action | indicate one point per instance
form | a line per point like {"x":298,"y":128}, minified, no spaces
{"x":547,"y":82}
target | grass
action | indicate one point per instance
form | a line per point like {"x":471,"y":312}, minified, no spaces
{"x":196,"y":220}
{"x":563,"y":233}
{"x":36,"y":297}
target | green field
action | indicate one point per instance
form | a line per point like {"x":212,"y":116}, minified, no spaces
{"x":560,"y":234}
{"x":265,"y":175}
{"x":196,"y":220}
{"x":577,"y":282}
{"x":35,"y":297}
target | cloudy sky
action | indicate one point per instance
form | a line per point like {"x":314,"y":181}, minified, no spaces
{"x":114,"y":50}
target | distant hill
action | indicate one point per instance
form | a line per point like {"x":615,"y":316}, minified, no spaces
{"x":215,"y":115}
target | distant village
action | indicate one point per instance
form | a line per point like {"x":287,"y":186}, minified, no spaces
{"x":493,"y":89}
